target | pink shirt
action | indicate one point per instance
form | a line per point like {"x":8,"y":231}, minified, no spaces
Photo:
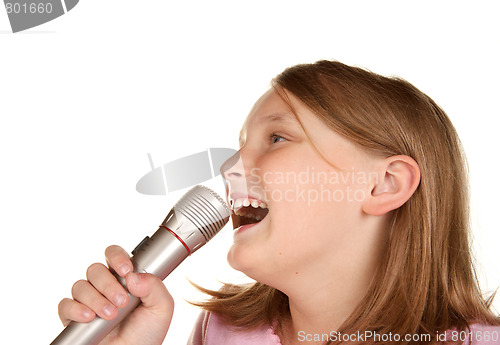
{"x":210,"y":330}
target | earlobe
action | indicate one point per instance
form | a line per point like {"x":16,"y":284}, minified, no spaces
{"x":398,"y":179}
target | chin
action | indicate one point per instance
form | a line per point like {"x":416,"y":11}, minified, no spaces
{"x":236,"y":258}
{"x":242,"y":260}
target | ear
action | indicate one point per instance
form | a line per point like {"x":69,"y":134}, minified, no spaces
{"x":398,"y":179}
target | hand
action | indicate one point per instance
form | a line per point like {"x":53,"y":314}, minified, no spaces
{"x":102,"y":294}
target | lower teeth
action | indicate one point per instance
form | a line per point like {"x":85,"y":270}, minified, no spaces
{"x":254,"y":216}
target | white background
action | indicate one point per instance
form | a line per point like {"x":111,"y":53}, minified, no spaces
{"x":84,"y":98}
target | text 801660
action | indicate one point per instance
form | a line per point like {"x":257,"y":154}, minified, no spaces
{"x":477,"y":335}
{"x":25,"y":8}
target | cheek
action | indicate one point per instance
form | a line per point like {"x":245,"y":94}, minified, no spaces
{"x":310,"y":187}
{"x":314,"y":207}
{"x":305,"y":229}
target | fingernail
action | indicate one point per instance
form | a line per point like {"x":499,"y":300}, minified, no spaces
{"x":124,"y":269}
{"x":120,"y":300}
{"x":86,"y":314}
{"x":107,"y":310}
{"x":135,"y":278}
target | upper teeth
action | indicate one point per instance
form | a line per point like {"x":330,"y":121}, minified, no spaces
{"x":238,"y":203}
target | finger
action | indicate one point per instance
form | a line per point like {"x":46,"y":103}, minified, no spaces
{"x":70,"y":310}
{"x":118,"y":260}
{"x":85,"y":293}
{"x":105,"y":282}
{"x":152,"y":292}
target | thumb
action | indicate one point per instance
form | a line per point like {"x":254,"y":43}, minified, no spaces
{"x":152,"y":292}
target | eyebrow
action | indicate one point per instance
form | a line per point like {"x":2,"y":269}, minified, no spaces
{"x":275,"y":117}
{"x":284,"y":117}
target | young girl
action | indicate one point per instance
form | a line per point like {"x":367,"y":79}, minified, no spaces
{"x":350,"y":208}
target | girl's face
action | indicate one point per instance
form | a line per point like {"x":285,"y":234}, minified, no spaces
{"x":313,"y":192}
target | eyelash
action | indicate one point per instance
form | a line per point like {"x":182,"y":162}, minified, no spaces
{"x":272,"y":136}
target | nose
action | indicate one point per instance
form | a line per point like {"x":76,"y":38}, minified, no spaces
{"x":233,"y":167}
{"x":239,"y":174}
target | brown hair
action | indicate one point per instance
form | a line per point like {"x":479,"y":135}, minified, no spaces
{"x":426,"y":282}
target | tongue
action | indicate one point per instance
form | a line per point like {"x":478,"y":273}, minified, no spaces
{"x":247,"y":220}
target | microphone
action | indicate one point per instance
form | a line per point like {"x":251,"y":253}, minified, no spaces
{"x":197,"y":217}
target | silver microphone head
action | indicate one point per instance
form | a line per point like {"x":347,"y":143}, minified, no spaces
{"x":197,"y":217}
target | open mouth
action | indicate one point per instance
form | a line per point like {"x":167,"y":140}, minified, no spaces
{"x":247,"y":211}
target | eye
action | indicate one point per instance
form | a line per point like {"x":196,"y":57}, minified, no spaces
{"x":274,"y":138}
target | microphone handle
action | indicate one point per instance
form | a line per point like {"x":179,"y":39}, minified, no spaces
{"x":158,"y":255}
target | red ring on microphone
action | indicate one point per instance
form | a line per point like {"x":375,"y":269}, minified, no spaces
{"x":173,"y":233}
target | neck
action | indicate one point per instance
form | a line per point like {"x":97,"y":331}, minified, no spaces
{"x":322,"y":310}
{"x":321,"y":300}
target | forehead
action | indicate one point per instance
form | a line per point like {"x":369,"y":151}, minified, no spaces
{"x":269,"y":108}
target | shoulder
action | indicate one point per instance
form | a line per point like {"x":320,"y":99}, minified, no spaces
{"x":210,"y":329}
{"x":199,"y":331}
{"x":478,"y":334}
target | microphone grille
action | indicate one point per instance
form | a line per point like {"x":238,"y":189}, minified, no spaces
{"x":205,"y":209}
